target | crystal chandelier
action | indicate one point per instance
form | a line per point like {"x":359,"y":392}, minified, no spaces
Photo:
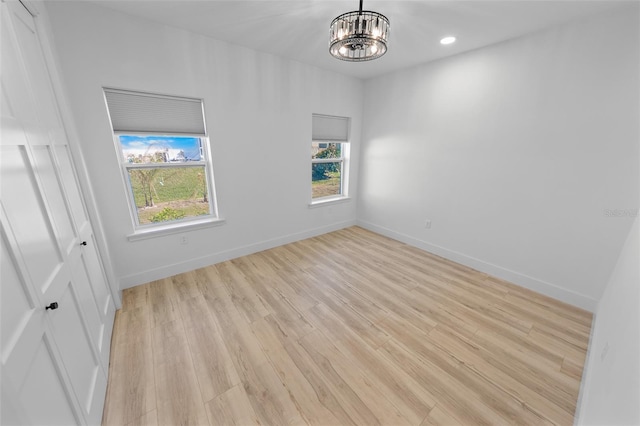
{"x":359,"y":35}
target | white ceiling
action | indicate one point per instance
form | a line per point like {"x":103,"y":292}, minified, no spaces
{"x":299,"y":29}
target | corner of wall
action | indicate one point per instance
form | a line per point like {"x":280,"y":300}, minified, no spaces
{"x":610,"y":388}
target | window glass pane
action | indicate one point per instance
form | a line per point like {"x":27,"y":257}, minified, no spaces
{"x":326,"y":150}
{"x":160,"y":149}
{"x":169,"y":193}
{"x":326,"y":179}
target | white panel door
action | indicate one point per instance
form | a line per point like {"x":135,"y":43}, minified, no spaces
{"x":54,"y":361}
{"x":100,"y":307}
{"x":35,"y":389}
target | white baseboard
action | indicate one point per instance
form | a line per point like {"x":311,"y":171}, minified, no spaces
{"x":210,"y":259}
{"x":517,"y":278}
{"x":548,"y":289}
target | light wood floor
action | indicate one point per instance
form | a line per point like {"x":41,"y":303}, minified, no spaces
{"x":346,"y":328}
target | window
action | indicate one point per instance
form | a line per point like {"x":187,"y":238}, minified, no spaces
{"x":329,"y":154}
{"x":164,"y":153}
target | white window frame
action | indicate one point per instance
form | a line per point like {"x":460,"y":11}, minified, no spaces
{"x":143,"y":231}
{"x":206,"y":163}
{"x":344,"y":146}
{"x":345,"y":150}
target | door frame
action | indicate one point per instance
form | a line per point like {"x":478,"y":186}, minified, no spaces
{"x":38,"y":10}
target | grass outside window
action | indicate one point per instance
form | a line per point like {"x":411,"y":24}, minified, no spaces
{"x":165,"y":194}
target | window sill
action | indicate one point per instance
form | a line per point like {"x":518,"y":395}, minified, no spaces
{"x":328,"y":201}
{"x":174,"y":228}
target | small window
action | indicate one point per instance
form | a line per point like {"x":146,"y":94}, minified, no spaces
{"x":167,"y":177}
{"x":164,"y":155}
{"x":329,"y":153}
{"x":327,"y":169}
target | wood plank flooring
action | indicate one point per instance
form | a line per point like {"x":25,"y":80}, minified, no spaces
{"x":345,"y":328}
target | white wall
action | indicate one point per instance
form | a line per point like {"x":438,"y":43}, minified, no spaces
{"x":258,"y":111}
{"x":611,"y":382}
{"x":514,"y":152}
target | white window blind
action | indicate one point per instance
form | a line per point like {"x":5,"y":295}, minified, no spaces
{"x":329,"y":128}
{"x":151,"y":113}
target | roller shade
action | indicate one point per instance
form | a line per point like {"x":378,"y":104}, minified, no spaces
{"x":328,"y":128}
{"x":150,"y":113}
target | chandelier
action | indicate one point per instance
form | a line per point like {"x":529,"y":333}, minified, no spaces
{"x":359,"y":35}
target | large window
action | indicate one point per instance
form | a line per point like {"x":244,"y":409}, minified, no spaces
{"x":164,"y":154}
{"x":329,"y":154}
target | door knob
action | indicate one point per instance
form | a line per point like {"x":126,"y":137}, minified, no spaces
{"x":84,"y":243}
{"x":53,"y":306}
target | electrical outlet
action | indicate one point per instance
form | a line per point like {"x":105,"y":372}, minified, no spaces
{"x":604,"y":352}
{"x":427,"y":223}
{"x":184,"y":240}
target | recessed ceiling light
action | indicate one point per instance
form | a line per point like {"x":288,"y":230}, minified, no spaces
{"x":448,"y":40}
